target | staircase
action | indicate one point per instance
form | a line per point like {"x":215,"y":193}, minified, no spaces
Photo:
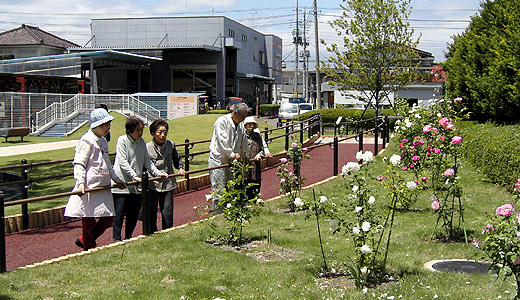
{"x":65,"y":128}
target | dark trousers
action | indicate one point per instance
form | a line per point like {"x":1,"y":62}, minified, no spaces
{"x":253,"y":190}
{"x":126,"y":205}
{"x":91,"y":229}
{"x":165,"y":201}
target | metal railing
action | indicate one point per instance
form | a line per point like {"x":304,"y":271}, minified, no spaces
{"x":311,"y":126}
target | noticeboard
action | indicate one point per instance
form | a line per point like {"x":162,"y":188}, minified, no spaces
{"x":182,"y":106}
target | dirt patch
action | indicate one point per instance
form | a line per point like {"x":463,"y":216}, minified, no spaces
{"x":337,"y":281}
{"x":262,"y":251}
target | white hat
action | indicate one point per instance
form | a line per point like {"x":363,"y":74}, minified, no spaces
{"x":250,"y":120}
{"x":99,"y":116}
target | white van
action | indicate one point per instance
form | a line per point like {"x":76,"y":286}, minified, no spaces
{"x":286,"y":112}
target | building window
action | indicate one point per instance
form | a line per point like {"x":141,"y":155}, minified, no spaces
{"x":231,"y":33}
{"x":261,"y":58}
{"x":244,"y":38}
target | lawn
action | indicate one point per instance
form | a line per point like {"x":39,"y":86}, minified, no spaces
{"x":283,"y":263}
{"x":196,"y":128}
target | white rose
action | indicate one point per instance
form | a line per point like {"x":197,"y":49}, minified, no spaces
{"x":395,"y":159}
{"x":411,"y":185}
{"x":323,"y":199}
{"x":350,"y":167}
{"x":358,"y":208}
{"x":208,"y":197}
{"x":359,"y":155}
{"x":366,"y":226}
{"x":364,"y":270}
{"x":228,"y":205}
{"x":365,"y":249}
{"x":368,"y":156}
{"x":298,"y":202}
{"x":371,"y":200}
{"x":259,"y":201}
{"x":355,"y":188}
{"x":356,"y":230}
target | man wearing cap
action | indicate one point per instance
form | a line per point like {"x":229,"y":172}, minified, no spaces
{"x":227,"y":143}
{"x":92,"y":169}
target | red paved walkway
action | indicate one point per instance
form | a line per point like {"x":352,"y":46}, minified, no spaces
{"x":36,"y":245}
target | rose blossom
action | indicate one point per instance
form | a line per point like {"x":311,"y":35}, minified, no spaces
{"x":365,"y":226}
{"x":517,"y":185}
{"x":435,"y":205}
{"x":427,"y":128}
{"x":457,"y":100}
{"x":350,"y":167}
{"x":380,"y":178}
{"x":416,"y":158}
{"x":371,"y":200}
{"x":518,"y":217}
{"x":294,"y":145}
{"x":395,"y":159}
{"x":411,"y":185}
{"x":356,"y":230}
{"x":323,"y":199}
{"x":283,"y":160}
{"x":449,"y":172}
{"x":424,"y":179}
{"x":444,"y":122}
{"x":437,"y":151}
{"x":456,"y":139}
{"x":365,"y":249}
{"x":298,"y":202}
{"x":505,"y":210}
{"x":450,"y":126}
{"x":405,"y":168}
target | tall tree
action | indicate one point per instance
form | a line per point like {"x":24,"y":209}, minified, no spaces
{"x":377,"y":56}
{"x":483,"y":63}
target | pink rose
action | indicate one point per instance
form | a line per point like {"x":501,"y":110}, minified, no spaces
{"x":444,"y":122}
{"x":405,"y":168}
{"x":282,"y":180}
{"x":283,"y":160}
{"x":457,"y":100}
{"x":404,"y":141}
{"x":424,"y":179}
{"x":379,"y":178}
{"x":456,"y":139}
{"x":449,"y":172}
{"x":427,"y":128}
{"x":517,"y":185}
{"x":518,"y":217}
{"x":450,"y":126}
{"x":294,"y":145}
{"x":416,"y":158}
{"x":505,"y":210}
{"x":435,"y":205}
{"x":437,"y":151}
{"x":442,"y":138}
{"x":411,"y":166}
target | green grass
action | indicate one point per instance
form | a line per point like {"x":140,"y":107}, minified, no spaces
{"x":180,"y":263}
{"x":196,"y":128}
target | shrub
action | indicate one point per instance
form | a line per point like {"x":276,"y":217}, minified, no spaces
{"x":330,"y":115}
{"x":269,"y":110}
{"x":493,"y":149}
{"x":217,"y":112}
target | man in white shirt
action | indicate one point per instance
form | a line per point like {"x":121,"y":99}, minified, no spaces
{"x":228,"y":142}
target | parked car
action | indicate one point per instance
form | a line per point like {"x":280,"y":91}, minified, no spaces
{"x":305,"y":107}
{"x":286,"y":112}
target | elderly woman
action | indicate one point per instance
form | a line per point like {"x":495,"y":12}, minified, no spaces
{"x":92,"y":169}
{"x":257,"y":151}
{"x":165,"y":157}
{"x":131,"y":157}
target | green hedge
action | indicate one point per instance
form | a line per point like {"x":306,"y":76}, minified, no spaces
{"x":494,"y":151}
{"x":330,"y":115}
{"x":217,"y":112}
{"x":269,"y":110}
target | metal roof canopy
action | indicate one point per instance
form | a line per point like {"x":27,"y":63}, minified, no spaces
{"x":69,"y":64}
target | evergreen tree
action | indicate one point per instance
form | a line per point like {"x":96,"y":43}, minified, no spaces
{"x":483,"y":63}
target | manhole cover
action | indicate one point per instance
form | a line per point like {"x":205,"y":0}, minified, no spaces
{"x":462,"y":266}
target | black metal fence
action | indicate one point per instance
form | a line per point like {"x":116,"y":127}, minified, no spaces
{"x":311,"y":126}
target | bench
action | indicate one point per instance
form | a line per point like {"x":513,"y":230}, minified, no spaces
{"x":14,"y":131}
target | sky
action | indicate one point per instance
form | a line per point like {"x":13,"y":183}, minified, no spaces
{"x":435,"y":21}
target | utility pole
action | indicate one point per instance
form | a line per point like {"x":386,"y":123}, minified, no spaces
{"x":305,"y":56}
{"x":317,"y":45}
{"x":296,"y":41}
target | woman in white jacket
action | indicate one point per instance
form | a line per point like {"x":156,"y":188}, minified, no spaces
{"x":92,"y":169}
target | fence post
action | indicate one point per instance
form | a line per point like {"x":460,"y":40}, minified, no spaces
{"x":384,"y":138}
{"x":3,"y":264}
{"x":187,"y":162}
{"x":360,"y":139}
{"x":24,"y":195}
{"x":144,"y":205}
{"x":301,"y":133}
{"x":266,"y":135}
{"x":309,"y":127}
{"x":376,"y":133}
{"x":335,"y":172}
{"x":387,"y":126}
{"x":286,"y":137}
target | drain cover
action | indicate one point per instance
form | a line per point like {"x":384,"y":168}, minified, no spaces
{"x":462,"y":266}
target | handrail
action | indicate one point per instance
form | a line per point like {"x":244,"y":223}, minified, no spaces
{"x":54,"y":196}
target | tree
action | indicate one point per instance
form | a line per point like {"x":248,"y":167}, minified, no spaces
{"x":483,"y":63}
{"x":377,"y":57}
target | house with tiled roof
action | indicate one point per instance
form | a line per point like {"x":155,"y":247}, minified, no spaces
{"x":31,"y":41}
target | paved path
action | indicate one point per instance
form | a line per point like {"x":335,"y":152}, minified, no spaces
{"x":36,"y":245}
{"x":32,"y":148}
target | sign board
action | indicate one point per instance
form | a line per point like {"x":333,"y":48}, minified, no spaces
{"x":182,"y":105}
